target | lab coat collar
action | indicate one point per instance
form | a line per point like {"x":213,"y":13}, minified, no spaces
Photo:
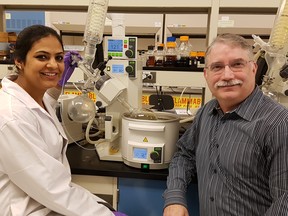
{"x":52,"y":113}
{"x":15,"y":90}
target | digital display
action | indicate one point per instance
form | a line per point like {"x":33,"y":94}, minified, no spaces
{"x":140,"y":153}
{"x":117,"y":68}
{"x":115,"y":45}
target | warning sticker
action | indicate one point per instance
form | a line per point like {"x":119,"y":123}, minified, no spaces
{"x":179,"y":102}
{"x":91,"y":95}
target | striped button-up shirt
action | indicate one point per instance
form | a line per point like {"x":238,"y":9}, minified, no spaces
{"x":240,"y":157}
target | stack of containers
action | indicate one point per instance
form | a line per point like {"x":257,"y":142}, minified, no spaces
{"x":193,"y":59}
{"x":159,"y":56}
{"x":12,"y":37}
{"x":4,"y":46}
{"x":200,"y":59}
{"x":170,"y":56}
{"x":184,"y":50}
{"x":171,"y":39}
{"x":150,"y":56}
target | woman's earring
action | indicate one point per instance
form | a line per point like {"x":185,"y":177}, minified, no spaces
{"x":19,"y":67}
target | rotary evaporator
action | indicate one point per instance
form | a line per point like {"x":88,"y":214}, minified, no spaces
{"x":139,"y":137}
{"x":272,"y":74}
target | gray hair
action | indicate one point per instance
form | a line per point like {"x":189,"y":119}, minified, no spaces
{"x":232,"y":40}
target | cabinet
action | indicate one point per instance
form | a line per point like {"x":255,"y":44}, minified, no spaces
{"x":144,"y":197}
{"x":134,"y":191}
{"x":5,"y":69}
{"x":139,"y":197}
{"x":103,"y":186}
{"x":209,"y":16}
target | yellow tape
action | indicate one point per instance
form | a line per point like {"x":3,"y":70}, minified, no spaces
{"x":91,"y":95}
{"x":195,"y":102}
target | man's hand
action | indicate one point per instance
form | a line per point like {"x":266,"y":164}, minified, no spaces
{"x":175,"y":210}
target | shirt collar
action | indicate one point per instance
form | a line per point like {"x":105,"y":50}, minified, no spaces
{"x":247,"y":108}
{"x":16,"y":91}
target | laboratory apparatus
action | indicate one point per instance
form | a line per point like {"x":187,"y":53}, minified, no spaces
{"x":117,"y":83}
{"x":73,"y":129}
{"x":124,"y":67}
{"x":149,"y":143}
{"x":272,"y":57}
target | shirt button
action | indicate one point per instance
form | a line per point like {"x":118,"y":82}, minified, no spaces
{"x":212,"y":199}
{"x":215,"y":171}
{"x":217,"y":145}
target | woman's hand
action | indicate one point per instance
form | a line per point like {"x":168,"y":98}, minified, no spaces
{"x":71,"y":59}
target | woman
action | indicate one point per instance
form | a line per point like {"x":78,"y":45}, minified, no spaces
{"x":35,"y":176}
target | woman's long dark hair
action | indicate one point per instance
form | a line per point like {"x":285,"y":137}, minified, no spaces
{"x":28,"y":36}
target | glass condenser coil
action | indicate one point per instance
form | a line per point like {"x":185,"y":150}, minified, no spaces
{"x":279,"y":36}
{"x":94,"y":28}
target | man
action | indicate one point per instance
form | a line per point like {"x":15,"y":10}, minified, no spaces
{"x":237,"y":144}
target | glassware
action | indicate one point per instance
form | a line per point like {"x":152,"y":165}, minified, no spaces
{"x":81,"y":109}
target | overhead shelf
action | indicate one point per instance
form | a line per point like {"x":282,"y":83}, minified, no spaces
{"x":129,"y":30}
{"x":128,"y":6}
{"x":201,"y":32}
{"x":249,"y":6}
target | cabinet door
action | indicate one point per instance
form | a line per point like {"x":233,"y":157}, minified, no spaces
{"x":5,"y":69}
{"x":102,"y":186}
{"x":143,"y":197}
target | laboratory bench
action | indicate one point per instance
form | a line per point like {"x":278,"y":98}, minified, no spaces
{"x":86,"y":162}
{"x":131,"y":190}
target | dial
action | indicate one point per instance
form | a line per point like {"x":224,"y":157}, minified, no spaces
{"x":129,"y":69}
{"x":154,"y":155}
{"x":129,"y":53}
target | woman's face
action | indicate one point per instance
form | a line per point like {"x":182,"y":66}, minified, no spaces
{"x":43,"y":66}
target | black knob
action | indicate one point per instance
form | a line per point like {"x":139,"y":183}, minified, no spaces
{"x":154,"y":155}
{"x":129,"y":53}
{"x":99,"y":104}
{"x":129,"y":69}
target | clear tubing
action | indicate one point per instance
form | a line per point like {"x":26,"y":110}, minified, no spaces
{"x":94,"y":27}
{"x":279,"y":34}
{"x":125,"y":103}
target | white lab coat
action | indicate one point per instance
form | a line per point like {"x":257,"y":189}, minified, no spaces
{"x":35,"y":176}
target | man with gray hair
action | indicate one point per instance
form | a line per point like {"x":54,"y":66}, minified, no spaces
{"x":237,"y":145}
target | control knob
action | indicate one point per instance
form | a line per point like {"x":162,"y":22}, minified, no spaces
{"x":129,"y":53}
{"x":129,"y":69}
{"x":154,"y":155}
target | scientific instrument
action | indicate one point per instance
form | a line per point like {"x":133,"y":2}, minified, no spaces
{"x":272,"y":57}
{"x":117,"y":83}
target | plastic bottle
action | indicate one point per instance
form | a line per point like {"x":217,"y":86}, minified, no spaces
{"x":159,"y":56}
{"x":171,"y":39}
{"x":150,"y":57}
{"x":170,"y":55}
{"x":193,"y":59}
{"x":142,"y":57}
{"x":200,"y":59}
{"x":183,"y":52}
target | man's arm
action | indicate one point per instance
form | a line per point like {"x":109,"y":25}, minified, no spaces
{"x":181,"y":169}
{"x":278,"y":177}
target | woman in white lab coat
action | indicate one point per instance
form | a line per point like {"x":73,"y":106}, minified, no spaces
{"x":35,"y":176}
